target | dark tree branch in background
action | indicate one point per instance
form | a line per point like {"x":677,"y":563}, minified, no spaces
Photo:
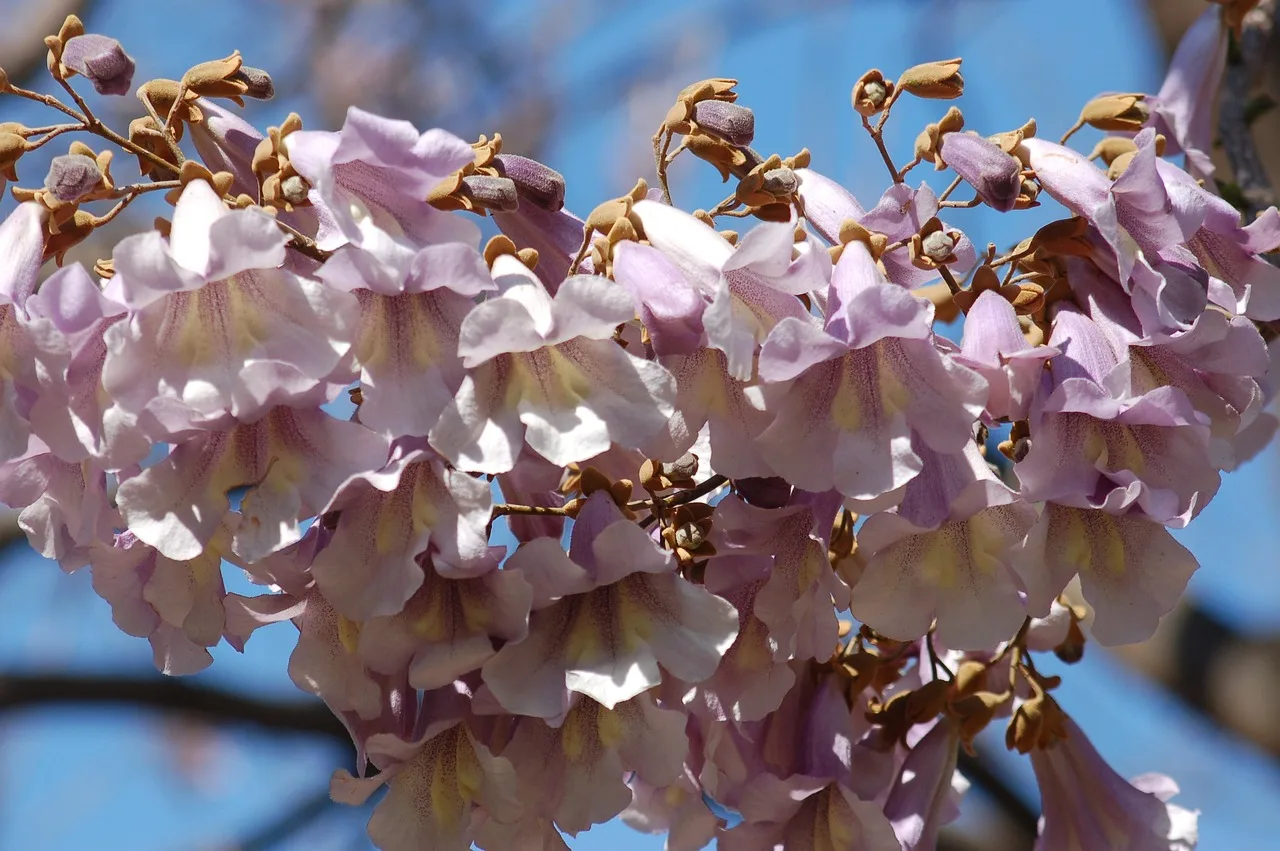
{"x":1242,"y":71}
{"x":168,"y":694}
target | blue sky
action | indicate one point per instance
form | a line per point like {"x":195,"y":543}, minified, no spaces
{"x":108,"y":778}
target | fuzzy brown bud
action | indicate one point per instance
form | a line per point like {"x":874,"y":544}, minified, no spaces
{"x":871,"y":93}
{"x":1119,"y":112}
{"x":934,"y":80}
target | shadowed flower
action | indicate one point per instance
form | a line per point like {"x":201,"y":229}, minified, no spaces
{"x":1087,"y":805}
{"x":606,"y":616}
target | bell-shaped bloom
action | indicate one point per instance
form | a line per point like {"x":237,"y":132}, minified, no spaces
{"x":676,"y":810}
{"x":441,"y":787}
{"x":407,"y":340}
{"x":389,"y":518}
{"x":994,"y":347}
{"x":226,"y":142}
{"x":22,"y":246}
{"x":668,"y":305}
{"x":545,"y":371}
{"x":807,"y":812}
{"x":213,"y":326}
{"x":449,"y":627}
{"x":176,"y":604}
{"x":1132,"y":571}
{"x":63,"y":506}
{"x":827,"y":204}
{"x":606,"y":616}
{"x":72,"y":413}
{"x":795,"y":602}
{"x":1095,"y":445}
{"x":370,"y":180}
{"x":574,"y":773}
{"x":753,"y":677}
{"x":1138,"y":215}
{"x":862,"y":386}
{"x":924,"y":797}
{"x":1232,"y":255}
{"x":950,"y":551}
{"x":102,"y":61}
{"x":291,"y":461}
{"x":1087,"y":805}
{"x":751,"y":286}
{"x":1183,"y":108}
{"x":732,"y":412}
{"x":995,"y":175}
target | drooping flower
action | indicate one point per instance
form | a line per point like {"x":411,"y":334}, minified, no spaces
{"x":862,"y":386}
{"x":22,"y":246}
{"x":449,"y":627}
{"x":994,"y":346}
{"x":1183,"y":108}
{"x":923,"y":798}
{"x":214,"y":327}
{"x":950,"y":552}
{"x":574,"y":773}
{"x":676,"y":810}
{"x":606,"y":616}
{"x":1088,"y":806}
{"x":545,"y":371}
{"x":292,"y":462}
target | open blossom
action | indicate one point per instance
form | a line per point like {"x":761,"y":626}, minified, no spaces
{"x":862,"y":386}
{"x":1087,"y":805}
{"x":544,"y":370}
{"x":606,"y":616}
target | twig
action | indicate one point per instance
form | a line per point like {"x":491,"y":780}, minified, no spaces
{"x":1237,"y":82}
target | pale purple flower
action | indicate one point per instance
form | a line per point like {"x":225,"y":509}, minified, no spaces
{"x":214,"y":327}
{"x":901,"y":212}
{"x":1183,"y":108}
{"x":545,"y":371}
{"x":950,"y":551}
{"x":668,"y":305}
{"x":226,"y":142}
{"x":614,"y":581}
{"x":22,"y":246}
{"x":371,"y":179}
{"x":676,"y":810}
{"x":994,"y":347}
{"x":924,"y":797}
{"x":827,"y":204}
{"x":63,"y":506}
{"x":292,"y":462}
{"x":176,"y":603}
{"x":574,"y":773}
{"x":862,"y":386}
{"x":391,"y":517}
{"x":1095,"y":444}
{"x":448,"y":628}
{"x":1132,"y":571}
{"x":807,"y":812}
{"x":1087,"y":805}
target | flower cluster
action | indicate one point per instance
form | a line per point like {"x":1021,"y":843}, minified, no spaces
{"x":584,"y":545}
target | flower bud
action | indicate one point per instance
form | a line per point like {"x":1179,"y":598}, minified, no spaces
{"x":733,"y":123}
{"x":4,"y":81}
{"x":995,"y":175}
{"x":71,"y":177}
{"x":536,"y":183}
{"x":935,"y":80}
{"x":100,"y":60}
{"x":258,"y":83}
{"x":491,"y":193}
{"x":1123,"y":112}
{"x":871,"y":93}
{"x":12,"y":147}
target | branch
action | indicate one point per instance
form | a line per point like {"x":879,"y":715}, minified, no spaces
{"x":179,"y":697}
{"x":1242,"y":69}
